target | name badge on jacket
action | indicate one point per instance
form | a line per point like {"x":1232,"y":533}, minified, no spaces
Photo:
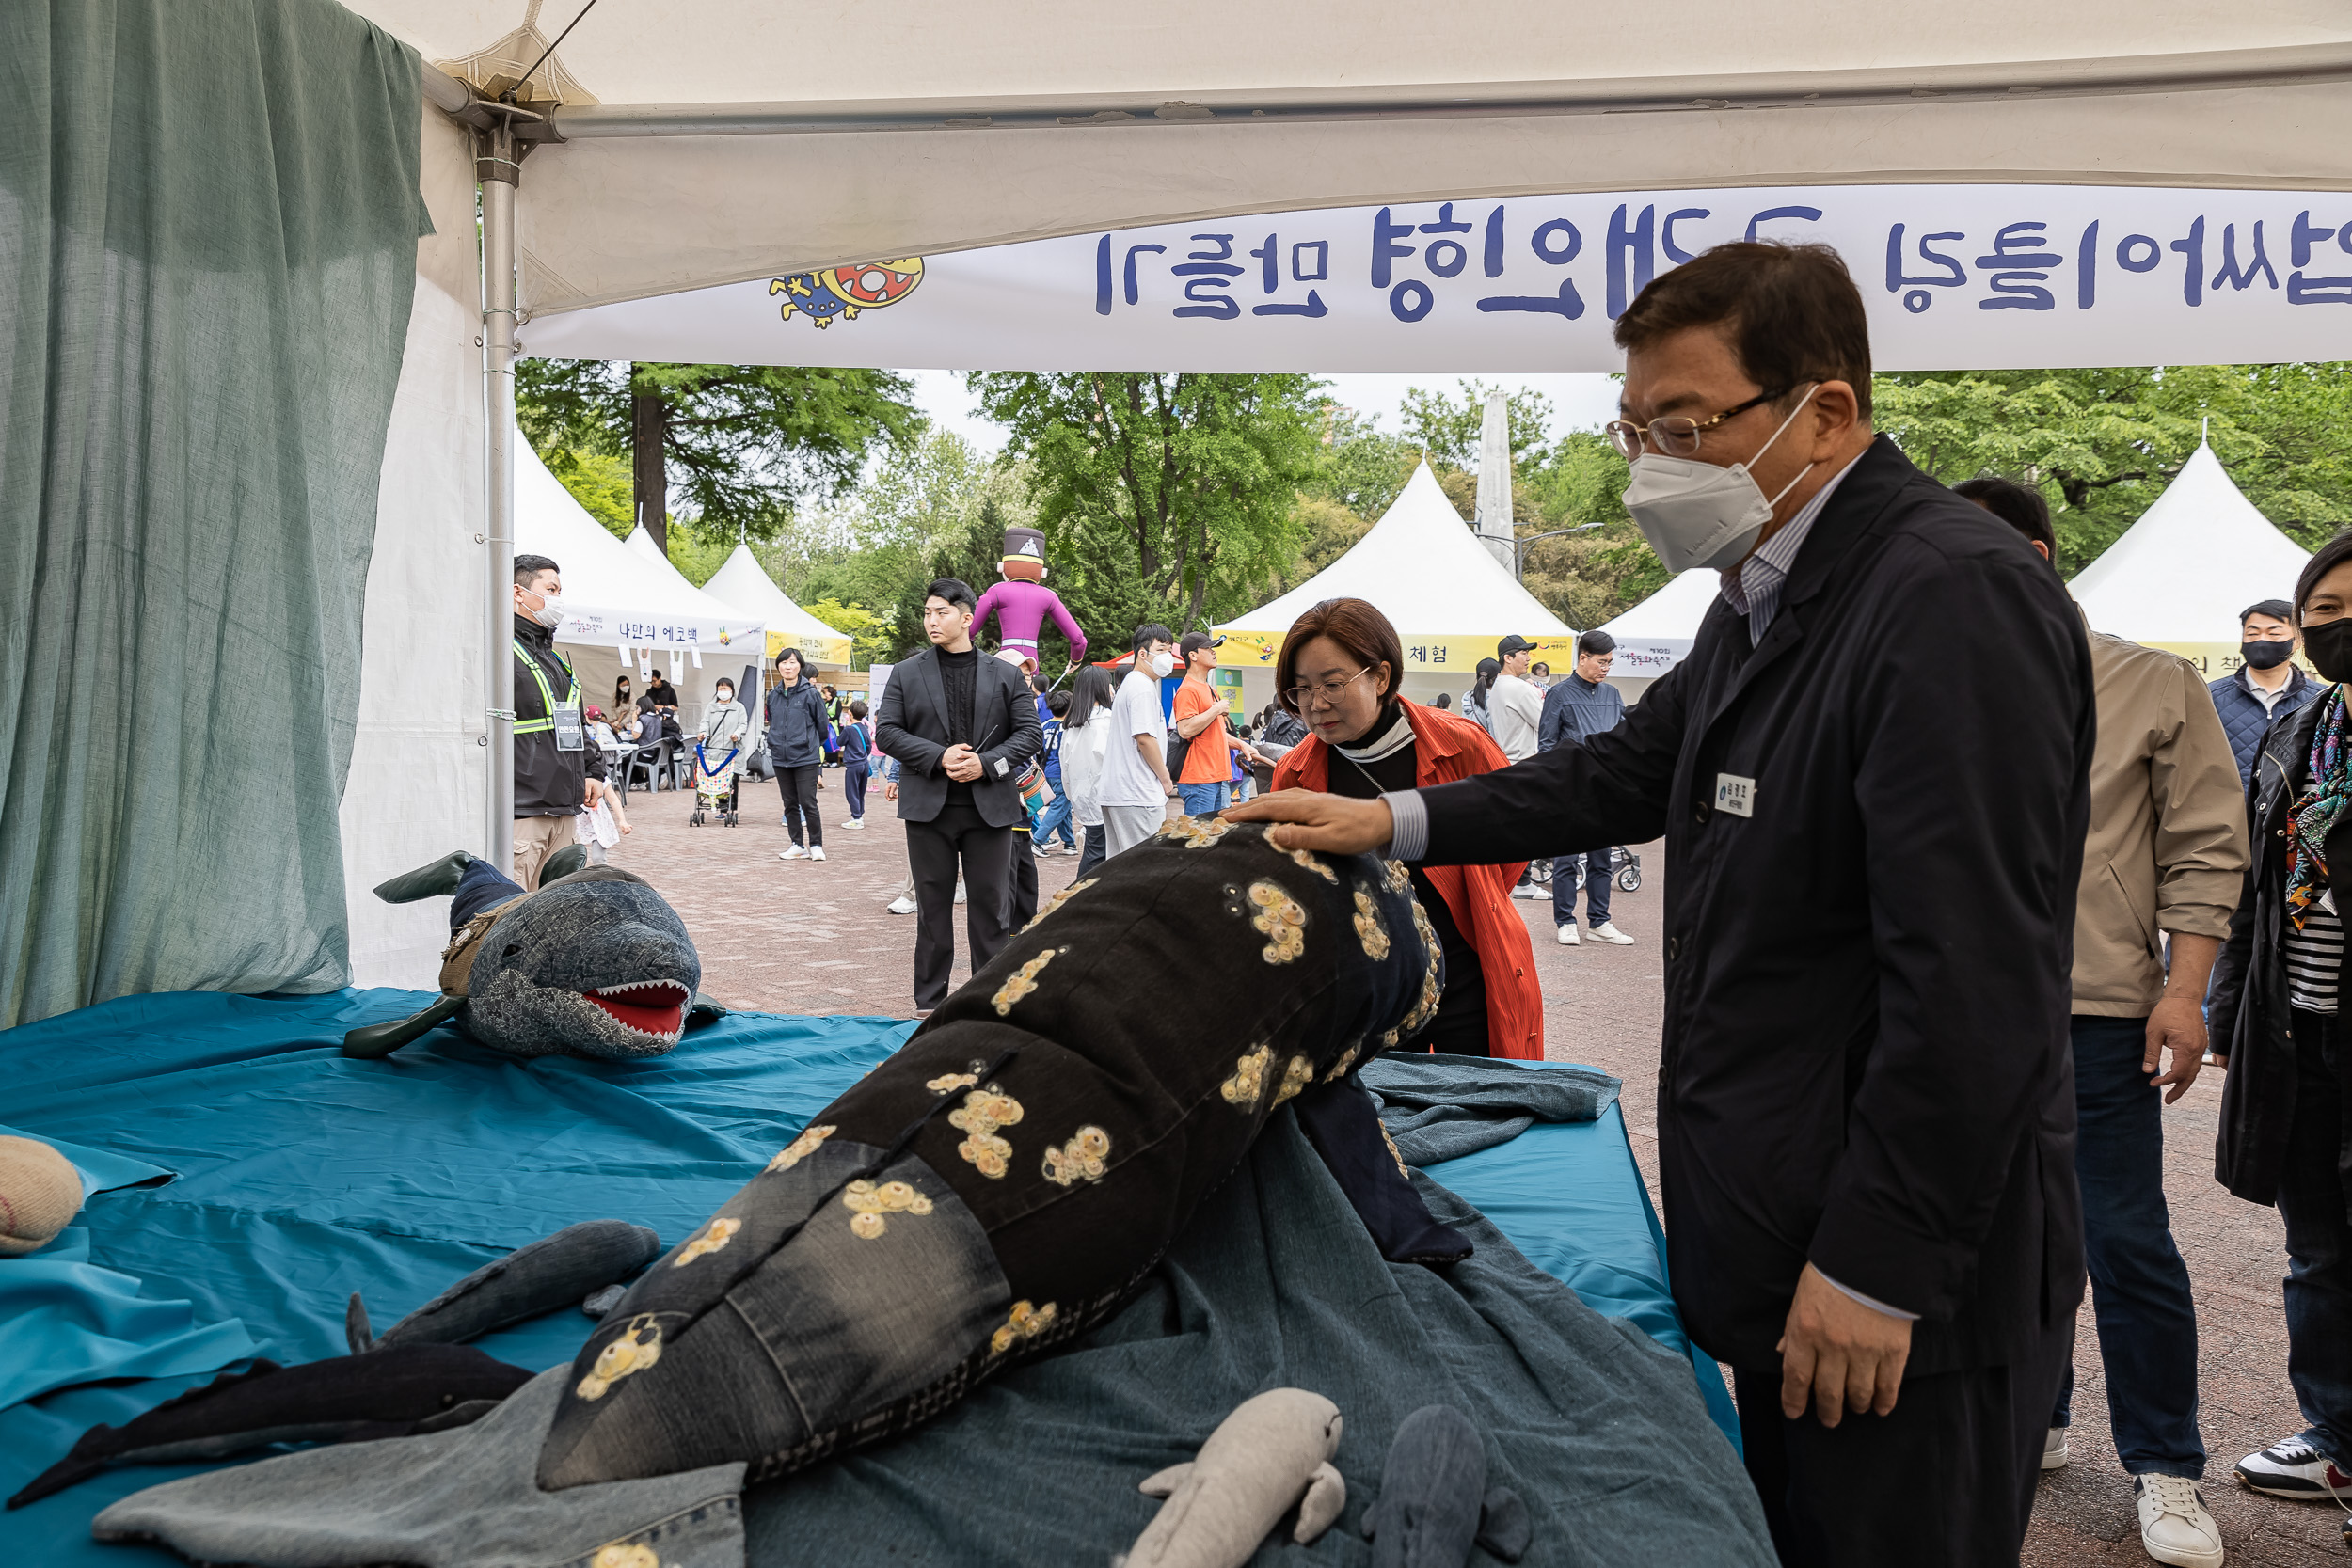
{"x":1735,"y":795}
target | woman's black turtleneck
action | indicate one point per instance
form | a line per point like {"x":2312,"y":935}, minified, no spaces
{"x":1460,"y":1027}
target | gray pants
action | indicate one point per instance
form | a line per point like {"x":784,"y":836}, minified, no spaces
{"x":1125,"y":827}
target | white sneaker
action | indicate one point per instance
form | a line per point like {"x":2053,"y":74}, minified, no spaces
{"x":815,"y":851}
{"x":1567,"y":935}
{"x":904,"y":903}
{"x":2054,"y":1451}
{"x":1529,"y":890}
{"x":2173,"y":1524}
{"x":856,"y":824}
{"x":1607,"y":932}
{"x":795,"y":854}
{"x":2294,"y":1469}
{"x":959,"y":893}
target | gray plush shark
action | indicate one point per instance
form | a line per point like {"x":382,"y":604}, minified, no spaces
{"x":592,"y":963}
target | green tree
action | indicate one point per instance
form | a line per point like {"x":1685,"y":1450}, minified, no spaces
{"x":739,"y":443}
{"x":870,"y":635}
{"x":1451,"y":430}
{"x":2101,"y":444}
{"x":1360,"y":466}
{"x":1164,"y":497}
{"x":598,"y":481}
{"x":936,"y":507}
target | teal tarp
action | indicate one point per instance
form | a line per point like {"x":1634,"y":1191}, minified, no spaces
{"x":302,"y":1176}
{"x":208,"y":223}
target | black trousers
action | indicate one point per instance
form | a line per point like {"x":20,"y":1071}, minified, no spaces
{"x":1093,"y":853}
{"x":799,"y":786}
{"x":1020,"y":896}
{"x":933,"y":849}
{"x":1946,"y":1478}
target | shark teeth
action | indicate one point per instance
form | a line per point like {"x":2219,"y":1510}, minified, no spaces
{"x":654,"y":1008}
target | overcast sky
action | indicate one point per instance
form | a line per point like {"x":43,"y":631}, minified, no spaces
{"x":1577,"y":401}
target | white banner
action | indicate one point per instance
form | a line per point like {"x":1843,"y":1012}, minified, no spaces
{"x":1956,"y":277}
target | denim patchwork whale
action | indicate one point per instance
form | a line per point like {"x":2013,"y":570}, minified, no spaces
{"x":592,"y":963}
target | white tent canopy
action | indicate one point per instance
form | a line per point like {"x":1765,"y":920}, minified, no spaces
{"x":1653,"y":636}
{"x":613,"y":596}
{"x":958,"y":126}
{"x":742,"y":581}
{"x":2179,"y":575}
{"x":1420,"y":564}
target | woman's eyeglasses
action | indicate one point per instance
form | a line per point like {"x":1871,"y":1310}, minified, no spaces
{"x":1325,"y":695}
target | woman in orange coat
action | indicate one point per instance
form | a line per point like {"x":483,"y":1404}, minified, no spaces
{"x":1339,"y":671}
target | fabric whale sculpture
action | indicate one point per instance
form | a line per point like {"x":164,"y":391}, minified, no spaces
{"x":1003,"y":1182}
{"x":592,"y":963}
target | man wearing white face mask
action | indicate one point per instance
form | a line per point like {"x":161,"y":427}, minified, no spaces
{"x":556,"y":770}
{"x":1865,"y":1111}
{"x":1136,"y":781}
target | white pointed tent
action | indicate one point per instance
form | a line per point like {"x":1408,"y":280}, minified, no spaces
{"x":2179,"y":577}
{"x":741,"y":582}
{"x":613,"y":604}
{"x":1654,"y":635}
{"x":1424,"y":569}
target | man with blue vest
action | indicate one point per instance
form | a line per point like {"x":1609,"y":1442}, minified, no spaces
{"x":556,"y":770}
{"x":2266,"y":684}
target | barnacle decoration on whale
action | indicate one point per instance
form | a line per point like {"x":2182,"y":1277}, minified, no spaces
{"x":593,"y":963}
{"x":998,"y":1184}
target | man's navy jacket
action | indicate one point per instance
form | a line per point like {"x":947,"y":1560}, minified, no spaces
{"x":1865,"y":1060}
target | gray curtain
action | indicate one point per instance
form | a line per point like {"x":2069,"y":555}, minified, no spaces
{"x":208,"y":222}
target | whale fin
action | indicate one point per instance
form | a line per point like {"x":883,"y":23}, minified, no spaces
{"x":357,"y":1334}
{"x":373,"y":1040}
{"x":1326,"y":1495}
{"x":1165,"y":1483}
{"x":1502,"y":1524}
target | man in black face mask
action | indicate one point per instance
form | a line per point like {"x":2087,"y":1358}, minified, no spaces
{"x":2265,"y":686}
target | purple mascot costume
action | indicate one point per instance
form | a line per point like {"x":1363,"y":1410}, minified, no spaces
{"x":1022,"y":601}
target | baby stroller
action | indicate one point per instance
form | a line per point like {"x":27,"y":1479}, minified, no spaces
{"x":1625,"y":864}
{"x":716,"y":786}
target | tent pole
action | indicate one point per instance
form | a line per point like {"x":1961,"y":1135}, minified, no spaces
{"x":496,"y":168}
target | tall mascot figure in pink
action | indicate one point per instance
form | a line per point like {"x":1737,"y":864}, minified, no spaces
{"x":1022,"y":601}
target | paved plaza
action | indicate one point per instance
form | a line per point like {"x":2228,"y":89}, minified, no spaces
{"x":802,"y":937}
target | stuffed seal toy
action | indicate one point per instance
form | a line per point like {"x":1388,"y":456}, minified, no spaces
{"x":1008,"y":1177}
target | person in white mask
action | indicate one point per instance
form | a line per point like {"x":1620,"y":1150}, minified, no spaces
{"x":558,"y":770}
{"x":1865,"y":1116}
{"x":1136,"y":785}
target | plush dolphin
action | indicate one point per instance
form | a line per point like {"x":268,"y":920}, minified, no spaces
{"x":1434,"y":1502}
{"x":390,"y":1393}
{"x":1255,"y":1466}
{"x":592,"y":963}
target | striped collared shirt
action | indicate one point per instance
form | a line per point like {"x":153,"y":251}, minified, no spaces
{"x":1753,"y":591}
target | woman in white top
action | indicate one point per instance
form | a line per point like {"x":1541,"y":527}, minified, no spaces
{"x":1083,"y":737}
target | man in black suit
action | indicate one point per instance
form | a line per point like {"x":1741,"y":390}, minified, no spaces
{"x":962,"y":728}
{"x":1866,"y":1109}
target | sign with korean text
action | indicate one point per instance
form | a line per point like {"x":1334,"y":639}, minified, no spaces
{"x":1956,"y":277}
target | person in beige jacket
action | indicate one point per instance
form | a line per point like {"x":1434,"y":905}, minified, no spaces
{"x":2163,"y":867}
